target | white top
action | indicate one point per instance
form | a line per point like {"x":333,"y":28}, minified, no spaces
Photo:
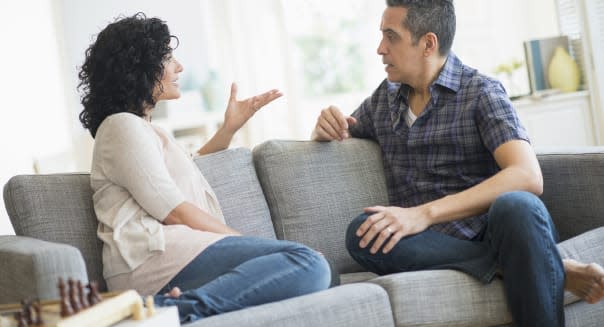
{"x":139,"y":175}
{"x":410,"y":117}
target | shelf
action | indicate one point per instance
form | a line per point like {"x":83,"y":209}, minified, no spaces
{"x":546,"y":98}
{"x":562,"y":119}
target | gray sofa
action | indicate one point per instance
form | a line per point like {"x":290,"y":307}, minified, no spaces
{"x":306,"y":192}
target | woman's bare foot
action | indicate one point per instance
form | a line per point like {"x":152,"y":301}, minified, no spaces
{"x":584,"y":280}
{"x":175,"y":293}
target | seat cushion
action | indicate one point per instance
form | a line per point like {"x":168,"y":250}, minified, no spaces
{"x":452,"y":298}
{"x":444,"y":298}
{"x":315,"y":189}
{"x":232,"y":175}
{"x":357,"y":305}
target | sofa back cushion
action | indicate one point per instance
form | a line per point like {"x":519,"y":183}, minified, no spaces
{"x":232,"y":175}
{"x":573,"y":189}
{"x":315,"y":189}
{"x":57,"y":208}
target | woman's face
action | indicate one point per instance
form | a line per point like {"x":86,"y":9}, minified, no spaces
{"x":169,"y":80}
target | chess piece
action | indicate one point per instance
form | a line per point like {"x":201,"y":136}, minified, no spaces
{"x":73,"y":297}
{"x":93,"y":293}
{"x":38,"y":309}
{"x":26,"y":311}
{"x":61,"y":286}
{"x":82,"y":296}
{"x":150,"y":306}
{"x":66,"y":309}
{"x":138,"y":312}
{"x":20,"y":319}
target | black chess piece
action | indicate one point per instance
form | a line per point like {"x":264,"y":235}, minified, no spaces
{"x":73,"y":296}
{"x":93,"y":294}
{"x":66,"y":309}
{"x":38,"y":309}
{"x":20,"y":319}
{"x":26,"y":311}
{"x":82,"y":295}
{"x":61,"y":287}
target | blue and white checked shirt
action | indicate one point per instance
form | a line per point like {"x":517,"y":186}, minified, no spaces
{"x":450,"y":146}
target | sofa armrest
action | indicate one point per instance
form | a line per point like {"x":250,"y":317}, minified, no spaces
{"x":31,"y":268}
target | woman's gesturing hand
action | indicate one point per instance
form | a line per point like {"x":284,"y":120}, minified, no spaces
{"x":239,"y":112}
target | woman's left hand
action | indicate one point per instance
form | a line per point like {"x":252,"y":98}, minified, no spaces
{"x":239,"y":112}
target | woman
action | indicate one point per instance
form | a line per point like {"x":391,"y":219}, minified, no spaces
{"x":158,"y":217}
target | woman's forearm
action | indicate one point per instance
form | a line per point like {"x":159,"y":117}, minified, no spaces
{"x":190,"y":215}
{"x":220,"y":141}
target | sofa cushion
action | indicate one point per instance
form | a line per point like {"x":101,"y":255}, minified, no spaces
{"x":583,"y":314}
{"x":452,"y":298}
{"x":573,"y":189}
{"x":315,"y":189}
{"x":444,"y":298}
{"x":232,"y":175}
{"x":357,"y":305}
{"x":57,"y":208}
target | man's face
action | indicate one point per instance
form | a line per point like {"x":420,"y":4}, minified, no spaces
{"x":402,"y":58}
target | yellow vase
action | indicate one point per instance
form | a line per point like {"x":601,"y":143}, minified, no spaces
{"x":563,"y":72}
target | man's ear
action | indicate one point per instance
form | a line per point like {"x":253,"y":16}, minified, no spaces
{"x":430,"y":43}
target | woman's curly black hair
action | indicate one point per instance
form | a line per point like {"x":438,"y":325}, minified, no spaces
{"x":122,"y":67}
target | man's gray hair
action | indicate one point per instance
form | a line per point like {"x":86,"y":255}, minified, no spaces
{"x":424,"y":16}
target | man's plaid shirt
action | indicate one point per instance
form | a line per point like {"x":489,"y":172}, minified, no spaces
{"x":450,"y":146}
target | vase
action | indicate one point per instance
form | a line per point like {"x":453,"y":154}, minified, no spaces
{"x":563,"y":72}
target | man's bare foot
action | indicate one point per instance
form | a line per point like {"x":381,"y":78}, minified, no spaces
{"x":584,"y":280}
{"x":175,"y":293}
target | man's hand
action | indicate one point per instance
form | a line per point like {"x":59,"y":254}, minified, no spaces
{"x":391,"y":221}
{"x":332,"y":125}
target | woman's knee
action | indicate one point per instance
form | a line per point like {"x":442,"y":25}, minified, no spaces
{"x":315,"y":268}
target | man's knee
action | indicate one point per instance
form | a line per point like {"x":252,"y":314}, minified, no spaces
{"x":519,"y":211}
{"x":352,"y":240}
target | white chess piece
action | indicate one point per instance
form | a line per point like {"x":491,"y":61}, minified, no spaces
{"x":150,"y":306}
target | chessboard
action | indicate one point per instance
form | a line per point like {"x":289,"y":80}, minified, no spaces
{"x":78,"y":307}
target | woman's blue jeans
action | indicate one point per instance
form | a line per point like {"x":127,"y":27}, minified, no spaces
{"x":240,"y":271}
{"x":519,"y":238}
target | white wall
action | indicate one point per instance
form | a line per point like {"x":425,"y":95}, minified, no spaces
{"x":33,"y":121}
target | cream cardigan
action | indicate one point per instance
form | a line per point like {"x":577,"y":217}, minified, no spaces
{"x":138,"y":175}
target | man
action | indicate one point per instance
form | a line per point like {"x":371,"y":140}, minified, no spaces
{"x":460,"y":171}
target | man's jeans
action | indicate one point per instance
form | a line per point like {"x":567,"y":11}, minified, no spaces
{"x":239,"y":272}
{"x":519,"y":238}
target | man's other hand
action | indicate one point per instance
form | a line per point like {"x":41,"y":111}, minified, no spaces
{"x":332,"y":125}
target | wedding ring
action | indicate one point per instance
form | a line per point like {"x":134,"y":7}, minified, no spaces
{"x":389,"y":230}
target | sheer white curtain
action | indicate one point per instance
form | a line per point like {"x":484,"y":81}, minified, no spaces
{"x":34,"y":125}
{"x":254,"y":43}
{"x":247,"y":44}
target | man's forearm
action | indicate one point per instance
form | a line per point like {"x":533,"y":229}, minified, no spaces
{"x":477,"y":199}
